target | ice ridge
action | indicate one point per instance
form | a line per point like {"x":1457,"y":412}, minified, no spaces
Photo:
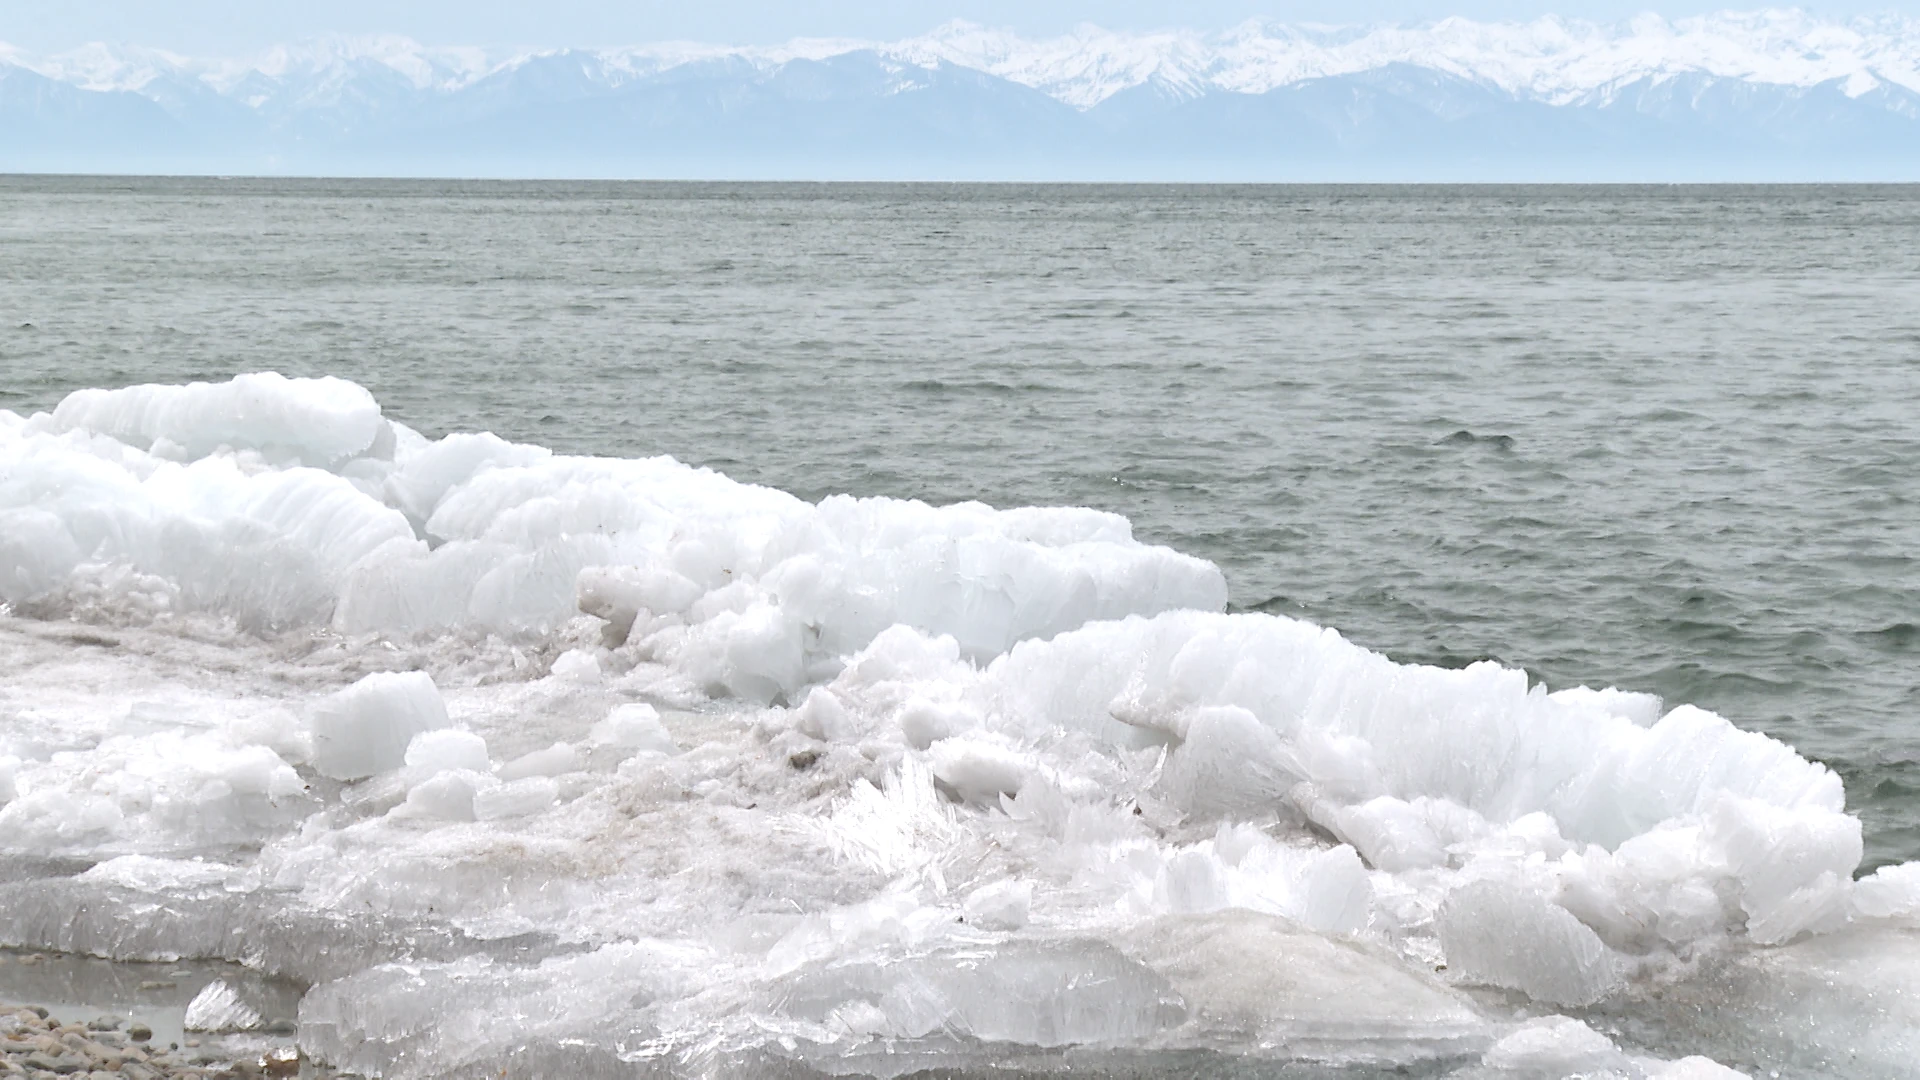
{"x":294,"y":502}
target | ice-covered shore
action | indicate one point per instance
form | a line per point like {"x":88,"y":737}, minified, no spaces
{"x":688,"y":776}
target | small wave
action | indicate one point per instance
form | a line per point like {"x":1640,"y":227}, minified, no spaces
{"x":980,"y":386}
{"x":1669,"y":415}
{"x":1899,"y":636}
{"x":1463,"y":437}
{"x":1272,"y":605}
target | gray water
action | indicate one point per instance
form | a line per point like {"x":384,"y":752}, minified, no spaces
{"x":1660,"y":438}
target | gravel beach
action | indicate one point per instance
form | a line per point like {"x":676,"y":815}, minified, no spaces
{"x":35,"y":1043}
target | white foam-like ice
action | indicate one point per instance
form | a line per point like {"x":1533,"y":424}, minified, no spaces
{"x":314,"y":421}
{"x":745,"y":590}
{"x":371,"y":726}
{"x":1558,"y":1047}
{"x":166,"y":791}
{"x":672,"y":768}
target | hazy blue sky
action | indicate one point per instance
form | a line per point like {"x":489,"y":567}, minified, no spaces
{"x":214,"y":25}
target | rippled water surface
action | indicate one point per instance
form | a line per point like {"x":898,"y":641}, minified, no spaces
{"x":1667,"y":439}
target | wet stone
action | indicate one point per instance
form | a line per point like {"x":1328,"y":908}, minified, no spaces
{"x":37,"y":1047}
{"x":59,"y":1065}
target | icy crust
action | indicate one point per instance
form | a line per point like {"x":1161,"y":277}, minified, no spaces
{"x":292,"y":502}
{"x":86,"y":773}
{"x":931,"y":864}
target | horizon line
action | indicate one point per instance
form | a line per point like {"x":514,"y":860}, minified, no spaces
{"x":7,"y":176}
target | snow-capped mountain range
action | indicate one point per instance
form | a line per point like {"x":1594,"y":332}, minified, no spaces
{"x":1771,"y":92}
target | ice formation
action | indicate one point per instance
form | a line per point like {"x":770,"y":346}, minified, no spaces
{"x":373,"y":726}
{"x":679,"y":772}
{"x":218,"y":1007}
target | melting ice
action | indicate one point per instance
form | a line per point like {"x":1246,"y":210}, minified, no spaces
{"x":614,"y":767}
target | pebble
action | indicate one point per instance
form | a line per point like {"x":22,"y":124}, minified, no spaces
{"x":34,"y":1044}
